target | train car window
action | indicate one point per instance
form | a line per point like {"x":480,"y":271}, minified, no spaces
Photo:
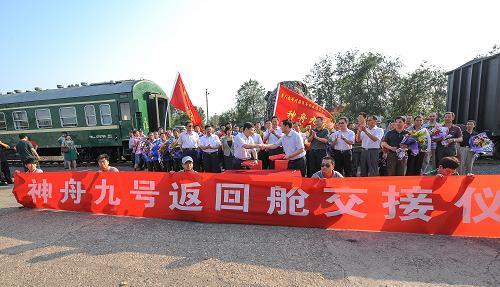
{"x":90,"y":116}
{"x":20,"y":120}
{"x":105,"y":111}
{"x":3,"y":122}
{"x":68,"y":117}
{"x":43,"y":118}
{"x":125,"y":111}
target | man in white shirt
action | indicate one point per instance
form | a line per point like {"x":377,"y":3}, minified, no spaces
{"x":189,"y":142}
{"x":370,"y":137}
{"x":244,"y":146}
{"x":293,"y":146}
{"x":210,"y":144}
{"x":271,"y":136}
{"x":296,"y":127}
{"x":342,"y":141}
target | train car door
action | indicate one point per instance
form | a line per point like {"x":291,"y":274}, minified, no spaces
{"x":126,"y":124}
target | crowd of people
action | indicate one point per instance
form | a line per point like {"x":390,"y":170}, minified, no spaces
{"x":350,"y":149}
{"x":340,"y":149}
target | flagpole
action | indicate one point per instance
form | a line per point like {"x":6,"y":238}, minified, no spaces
{"x":206,"y":98}
{"x":167,"y":110}
{"x":276,"y":101}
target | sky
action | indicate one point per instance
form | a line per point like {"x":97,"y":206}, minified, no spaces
{"x":218,"y":45}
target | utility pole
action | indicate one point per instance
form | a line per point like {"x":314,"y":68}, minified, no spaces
{"x":206,"y":98}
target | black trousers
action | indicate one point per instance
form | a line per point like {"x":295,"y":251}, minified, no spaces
{"x":343,"y":161}
{"x":211,"y":162}
{"x":415,"y":163}
{"x":177,"y":164}
{"x":298,"y":164}
{"x":274,"y":152}
{"x":153,"y":165}
{"x":193,"y":153}
{"x":167,"y":165}
{"x":315,"y":158}
{"x":6,"y":171}
{"x":264,"y":157}
{"x":237,"y":163}
{"x":444,"y":151}
{"x":356,"y":158}
{"x":228,"y":162}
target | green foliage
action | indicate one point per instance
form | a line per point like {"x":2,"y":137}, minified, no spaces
{"x":321,"y":83}
{"x":420,"y":92}
{"x":373,"y":83}
{"x":179,"y":118}
{"x":228,"y":116}
{"x":250,"y":103}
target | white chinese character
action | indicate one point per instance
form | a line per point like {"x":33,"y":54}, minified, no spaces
{"x":345,"y":208}
{"x":232,"y":198}
{"x":40,"y":190}
{"x":189,"y":197}
{"x":104,"y":188}
{"x":415,"y":207}
{"x":486,"y":211}
{"x":391,"y":201}
{"x":145,"y":190}
{"x":74,"y":189}
{"x":280,"y":198}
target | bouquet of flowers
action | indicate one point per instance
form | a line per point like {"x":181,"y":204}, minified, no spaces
{"x":438,"y":133}
{"x":407,"y":144}
{"x":481,"y":144}
{"x":421,"y":138}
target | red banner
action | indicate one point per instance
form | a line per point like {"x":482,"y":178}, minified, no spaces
{"x":297,"y":108}
{"x":454,"y":205}
{"x":180,"y":100}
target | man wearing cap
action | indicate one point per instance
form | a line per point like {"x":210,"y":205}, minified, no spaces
{"x":244,"y":146}
{"x":293,"y":146}
{"x":187,"y":164}
{"x":189,"y":142}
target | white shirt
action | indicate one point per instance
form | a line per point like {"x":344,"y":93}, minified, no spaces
{"x":341,"y":144}
{"x":271,"y":138}
{"x":239,"y":151}
{"x":291,"y":143}
{"x":257,"y":139}
{"x":367,"y":142}
{"x":189,"y":140}
{"x":212,"y":140}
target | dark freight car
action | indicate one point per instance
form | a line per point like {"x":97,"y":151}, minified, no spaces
{"x":474,"y":94}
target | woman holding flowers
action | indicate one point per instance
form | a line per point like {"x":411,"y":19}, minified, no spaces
{"x":466,"y":155}
{"x":423,"y":138}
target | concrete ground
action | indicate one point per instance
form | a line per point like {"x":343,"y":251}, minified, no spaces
{"x":55,"y":248}
{"x":51,"y":248}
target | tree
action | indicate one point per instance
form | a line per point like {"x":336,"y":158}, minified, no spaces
{"x":365,"y":81}
{"x":493,"y":51}
{"x":321,"y":83}
{"x":420,"y":92}
{"x":180,"y":118}
{"x":373,"y":83}
{"x":250,"y":103}
{"x":228,"y":116}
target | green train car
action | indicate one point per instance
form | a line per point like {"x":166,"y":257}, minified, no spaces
{"x":97,"y":116}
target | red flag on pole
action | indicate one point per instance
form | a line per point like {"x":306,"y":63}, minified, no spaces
{"x":297,"y":108}
{"x":180,"y":100}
